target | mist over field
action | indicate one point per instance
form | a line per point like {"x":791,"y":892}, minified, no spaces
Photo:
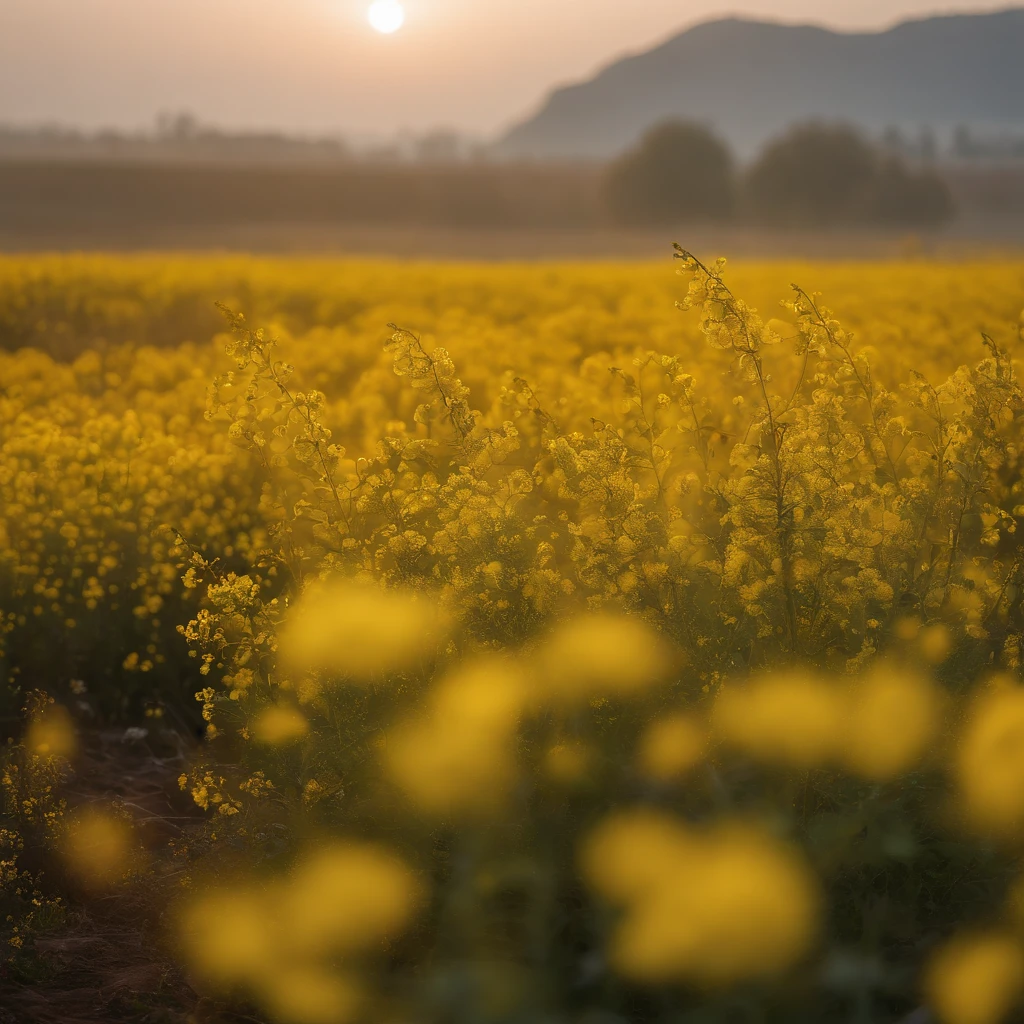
{"x":317,"y":67}
{"x":936,"y":100}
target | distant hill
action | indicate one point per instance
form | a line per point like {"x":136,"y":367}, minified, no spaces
{"x":750,"y":80}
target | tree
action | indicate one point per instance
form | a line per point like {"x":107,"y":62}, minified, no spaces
{"x":829,"y":174}
{"x":816,"y":174}
{"x":679,"y":172}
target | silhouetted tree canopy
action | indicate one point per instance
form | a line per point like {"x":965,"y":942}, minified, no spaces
{"x":829,"y":174}
{"x":679,"y":172}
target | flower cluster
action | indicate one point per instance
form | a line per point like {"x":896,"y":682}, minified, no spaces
{"x":664,"y":661}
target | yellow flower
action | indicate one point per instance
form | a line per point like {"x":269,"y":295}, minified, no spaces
{"x":990,"y":761}
{"x":791,"y":719}
{"x":345,"y":896}
{"x":308,"y":994}
{"x":279,"y":725}
{"x":360,"y":633}
{"x":458,"y":756}
{"x":935,"y":644}
{"x":52,"y":734}
{"x":601,"y":656}
{"x":892,"y":719}
{"x":567,"y":763}
{"x":276,"y":938}
{"x":672,"y":746}
{"x":713,"y":906}
{"x":98,"y":848}
{"x":228,"y":936}
{"x":976,"y":979}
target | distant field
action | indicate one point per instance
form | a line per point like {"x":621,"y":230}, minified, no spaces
{"x":63,"y":304}
{"x":462,"y":212}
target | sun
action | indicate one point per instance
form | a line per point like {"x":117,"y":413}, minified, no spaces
{"x":386,"y":16}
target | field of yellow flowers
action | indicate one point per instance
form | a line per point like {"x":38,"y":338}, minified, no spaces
{"x":567,"y":643}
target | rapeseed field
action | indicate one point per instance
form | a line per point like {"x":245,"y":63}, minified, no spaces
{"x":566,"y":642}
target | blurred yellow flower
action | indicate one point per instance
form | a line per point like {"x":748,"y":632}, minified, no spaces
{"x":990,"y":761}
{"x":714,"y":906}
{"x":672,"y":746}
{"x":935,"y":643}
{"x":907,"y":627}
{"x":98,"y":848}
{"x":458,"y":756}
{"x":892,"y":719}
{"x":877,"y":727}
{"x":279,"y":725}
{"x":345,"y":896}
{"x":601,"y":655}
{"x":976,"y":979}
{"x":229,"y":937}
{"x":309,"y":995}
{"x":52,"y":733}
{"x":790,"y":719}
{"x":275,"y":940}
{"x":630,"y":855}
{"x":359,"y":632}
{"x":567,"y":763}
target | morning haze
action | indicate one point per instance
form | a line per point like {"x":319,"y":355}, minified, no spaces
{"x":317,"y":66}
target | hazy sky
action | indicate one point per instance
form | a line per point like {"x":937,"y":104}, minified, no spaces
{"x":316,"y":65}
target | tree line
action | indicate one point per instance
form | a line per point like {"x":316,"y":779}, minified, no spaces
{"x":679,"y":174}
{"x":816,"y":175}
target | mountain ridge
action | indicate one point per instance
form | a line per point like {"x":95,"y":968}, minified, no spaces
{"x":750,"y":79}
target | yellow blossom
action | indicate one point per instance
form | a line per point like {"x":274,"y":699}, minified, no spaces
{"x":712,"y":906}
{"x":52,"y":734}
{"x":791,"y":719}
{"x":892,"y":719}
{"x":279,"y":725}
{"x":98,"y":847}
{"x":976,"y":979}
{"x":672,"y":746}
{"x":601,"y":655}
{"x":990,"y":761}
{"x":457,"y":756}
{"x":359,"y":632}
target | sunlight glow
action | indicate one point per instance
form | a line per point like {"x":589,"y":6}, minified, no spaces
{"x":386,"y":16}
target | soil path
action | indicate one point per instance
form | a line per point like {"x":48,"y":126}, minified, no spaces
{"x":108,"y":961}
